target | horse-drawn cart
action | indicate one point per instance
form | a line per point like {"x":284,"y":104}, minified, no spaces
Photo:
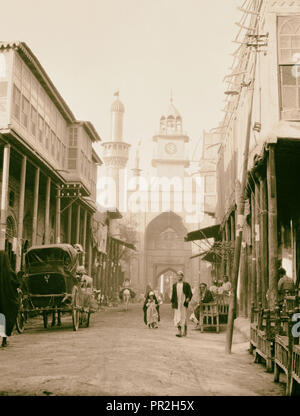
{"x":51,"y":285}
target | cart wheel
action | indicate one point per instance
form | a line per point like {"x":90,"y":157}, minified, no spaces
{"x":75,"y":308}
{"x":45,"y":319}
{"x":20,"y":322}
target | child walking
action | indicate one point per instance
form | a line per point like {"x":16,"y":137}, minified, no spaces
{"x":152,"y":315}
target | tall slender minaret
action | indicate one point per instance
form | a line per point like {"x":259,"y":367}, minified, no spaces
{"x":115,"y":153}
{"x":136,"y":170}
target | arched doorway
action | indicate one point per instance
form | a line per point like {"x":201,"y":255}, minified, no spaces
{"x":165,"y":283}
{"x":165,"y":249}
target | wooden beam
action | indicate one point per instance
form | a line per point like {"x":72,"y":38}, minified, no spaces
{"x":272,"y":227}
{"x":35,"y":205}
{"x":253,"y":252}
{"x":47,"y":211}
{"x":21,"y":213}
{"x":264,"y":239}
{"x":69,"y":237}
{"x":257,"y":244}
{"x":4,"y":195}
{"x":84,"y":233}
{"x":57,"y":216}
{"x":78,"y":225}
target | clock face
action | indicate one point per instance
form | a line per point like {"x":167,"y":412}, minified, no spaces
{"x":171,"y":148}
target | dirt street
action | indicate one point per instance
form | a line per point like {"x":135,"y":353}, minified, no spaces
{"x":119,"y":355}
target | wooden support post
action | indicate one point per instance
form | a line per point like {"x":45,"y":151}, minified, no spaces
{"x":90,"y":263}
{"x":57,"y":216}
{"x":35,"y":206}
{"x":243,"y":281}
{"x":232,"y":226}
{"x":4,"y":195}
{"x":249,"y":269}
{"x":253,"y":253}
{"x":78,"y":225}
{"x":264,"y":239}
{"x":257,"y":244}
{"x":222,"y":268}
{"x":272,"y":227}
{"x":227,"y":252}
{"x":21,"y":213}
{"x":84,"y":233}
{"x":47,"y":211}
{"x":70,"y":224}
{"x":108,"y":277}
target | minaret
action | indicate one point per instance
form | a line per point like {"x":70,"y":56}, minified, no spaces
{"x":115,"y":153}
{"x":136,"y":170}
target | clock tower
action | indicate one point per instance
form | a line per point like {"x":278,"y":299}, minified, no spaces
{"x":170,"y":154}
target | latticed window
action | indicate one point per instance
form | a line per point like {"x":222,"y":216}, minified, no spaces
{"x":25,"y":111}
{"x":289,"y":66}
{"x":16,"y":102}
{"x":41,"y":129}
{"x":53,"y":143}
{"x":73,"y":137}
{"x":33,"y":122}
{"x":47,"y":136}
{"x":10,"y":227}
{"x":72,"y":159}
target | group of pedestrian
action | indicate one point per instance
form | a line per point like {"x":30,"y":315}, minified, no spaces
{"x":181,"y":297}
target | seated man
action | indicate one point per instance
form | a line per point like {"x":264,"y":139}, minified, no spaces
{"x":225,"y":289}
{"x":286,"y":285}
{"x":205,"y":296}
{"x":214,"y":288}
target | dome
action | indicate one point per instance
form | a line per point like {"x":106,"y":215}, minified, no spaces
{"x":171,"y":111}
{"x":117,"y":106}
{"x":171,"y":121}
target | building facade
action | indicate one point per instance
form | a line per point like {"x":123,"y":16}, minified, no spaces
{"x":262,"y":117}
{"x":162,"y":207}
{"x":48,"y":169}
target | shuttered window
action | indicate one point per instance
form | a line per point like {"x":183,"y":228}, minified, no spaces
{"x":41,"y":129}
{"x":25,"y":111}
{"x":289,"y":66}
{"x":33,"y":121}
{"x":16,"y":102}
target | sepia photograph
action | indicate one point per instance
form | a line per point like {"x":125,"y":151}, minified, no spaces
{"x":149,"y":201}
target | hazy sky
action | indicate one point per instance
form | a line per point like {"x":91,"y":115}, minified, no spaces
{"x":144,"y":48}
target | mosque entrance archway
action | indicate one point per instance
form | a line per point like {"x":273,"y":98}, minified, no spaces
{"x":165,"y":248}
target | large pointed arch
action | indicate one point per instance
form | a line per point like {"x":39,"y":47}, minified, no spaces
{"x":165,"y":248}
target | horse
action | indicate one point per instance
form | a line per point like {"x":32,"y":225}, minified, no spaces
{"x":126,"y":295}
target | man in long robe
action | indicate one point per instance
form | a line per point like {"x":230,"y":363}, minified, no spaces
{"x":181,"y":296}
{"x":8,"y":294}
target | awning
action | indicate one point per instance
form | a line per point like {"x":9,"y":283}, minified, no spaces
{"x":208,"y":232}
{"x":211,"y":255}
{"x":124,"y":243}
{"x":199,"y":254}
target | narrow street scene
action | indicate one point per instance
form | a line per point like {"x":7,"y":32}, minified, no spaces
{"x":149,"y":198}
{"x":119,"y":355}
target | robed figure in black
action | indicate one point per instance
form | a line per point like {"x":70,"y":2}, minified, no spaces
{"x":8,"y":295}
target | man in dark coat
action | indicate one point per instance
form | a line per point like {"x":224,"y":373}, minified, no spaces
{"x":205,"y":297}
{"x":8,"y":295}
{"x":181,"y":296}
